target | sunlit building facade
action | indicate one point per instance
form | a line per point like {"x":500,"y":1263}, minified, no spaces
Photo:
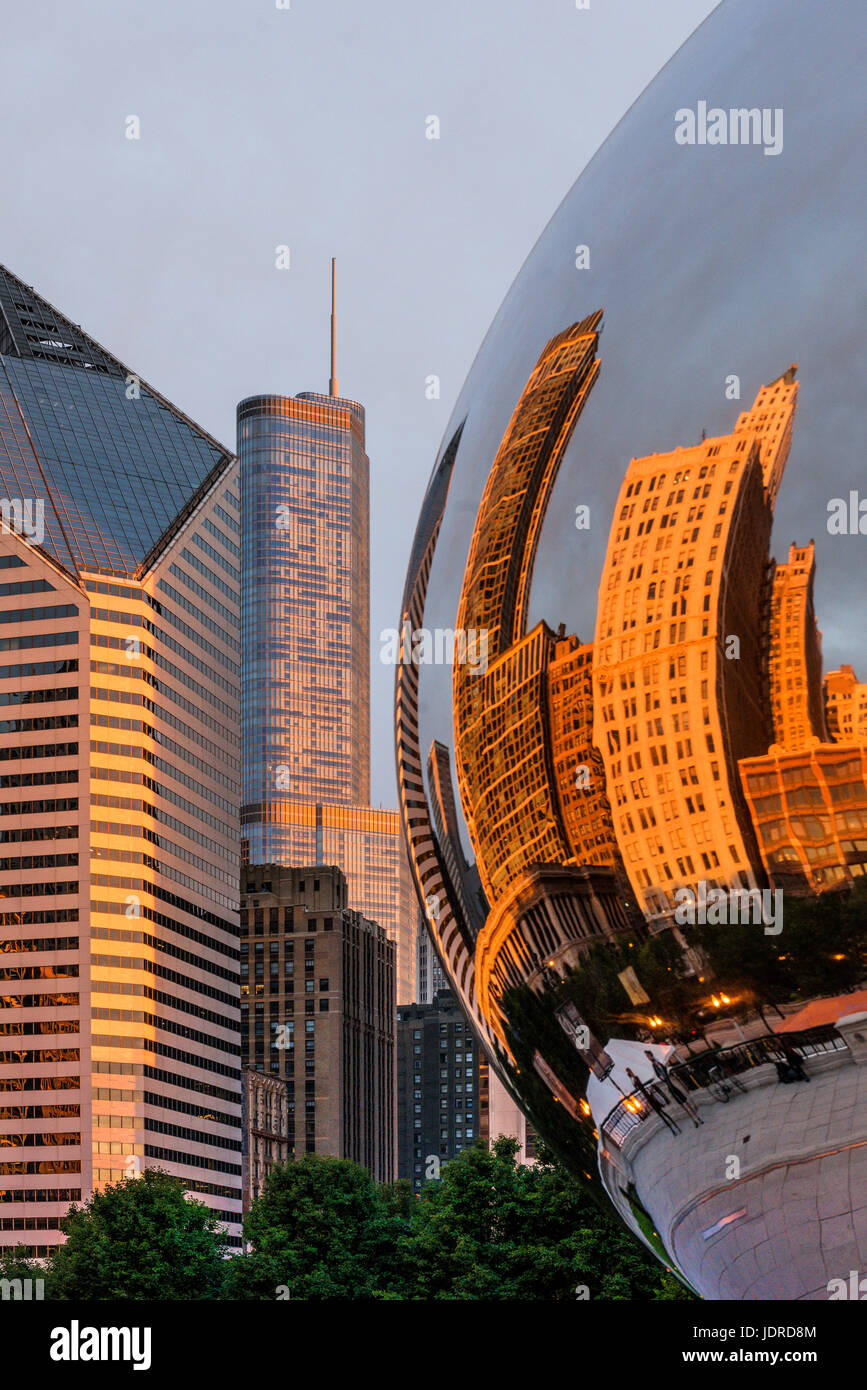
{"x":546,"y":905}
{"x":679,"y":692}
{"x":119,"y":620}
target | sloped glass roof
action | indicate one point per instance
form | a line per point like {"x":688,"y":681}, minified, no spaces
{"x":115,"y":463}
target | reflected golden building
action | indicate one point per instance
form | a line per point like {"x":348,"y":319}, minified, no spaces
{"x":520,"y":723}
{"x":845,"y":704}
{"x":679,"y":694}
{"x":536,"y":934}
{"x":809,"y":809}
{"x":505,"y":776}
{"x":795,"y":652}
{"x":579,"y":773}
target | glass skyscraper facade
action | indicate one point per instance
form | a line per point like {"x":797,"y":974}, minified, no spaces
{"x":305,"y":684}
{"x":305,"y":605}
{"x":119,"y":857}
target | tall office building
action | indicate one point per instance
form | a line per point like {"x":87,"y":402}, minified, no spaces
{"x":318,"y":1010}
{"x":305,"y":684}
{"x":679,"y":694}
{"x":118,"y":798}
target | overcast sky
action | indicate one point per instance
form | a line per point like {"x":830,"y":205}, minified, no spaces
{"x":305,"y":127}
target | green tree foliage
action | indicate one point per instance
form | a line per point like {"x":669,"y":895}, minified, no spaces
{"x":141,"y":1238}
{"x":322,"y":1230}
{"x":489,"y":1229}
{"x":495,"y":1229}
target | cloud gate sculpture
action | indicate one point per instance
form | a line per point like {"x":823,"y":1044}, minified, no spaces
{"x":633,"y":780}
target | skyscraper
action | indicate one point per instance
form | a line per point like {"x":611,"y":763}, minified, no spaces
{"x":318,"y":1009}
{"x":305,"y":685}
{"x":119,"y":798}
{"x":500,"y":715}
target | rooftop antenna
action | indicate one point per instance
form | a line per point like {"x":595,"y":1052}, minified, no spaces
{"x":332,"y":385}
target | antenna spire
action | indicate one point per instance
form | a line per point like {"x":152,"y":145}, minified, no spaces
{"x":332,"y":385}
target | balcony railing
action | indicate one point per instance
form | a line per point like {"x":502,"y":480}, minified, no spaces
{"x":695,"y":1073}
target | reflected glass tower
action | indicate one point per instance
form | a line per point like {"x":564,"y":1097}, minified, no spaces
{"x":305,"y":681}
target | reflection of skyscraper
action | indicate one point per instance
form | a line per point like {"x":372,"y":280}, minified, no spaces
{"x":795,"y":652}
{"x":545,"y":908}
{"x":448,"y":927}
{"x":501,"y":749}
{"x":579,"y":774}
{"x":464,"y":876}
{"x":305,"y":687}
{"x":809,"y":809}
{"x":846,"y":705}
{"x":807,"y":796}
{"x":678,"y":689}
{"x":118,"y":1037}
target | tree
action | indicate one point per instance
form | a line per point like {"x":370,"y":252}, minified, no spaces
{"x":322,"y":1230}
{"x":141,"y":1238}
{"x":495,"y":1229}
